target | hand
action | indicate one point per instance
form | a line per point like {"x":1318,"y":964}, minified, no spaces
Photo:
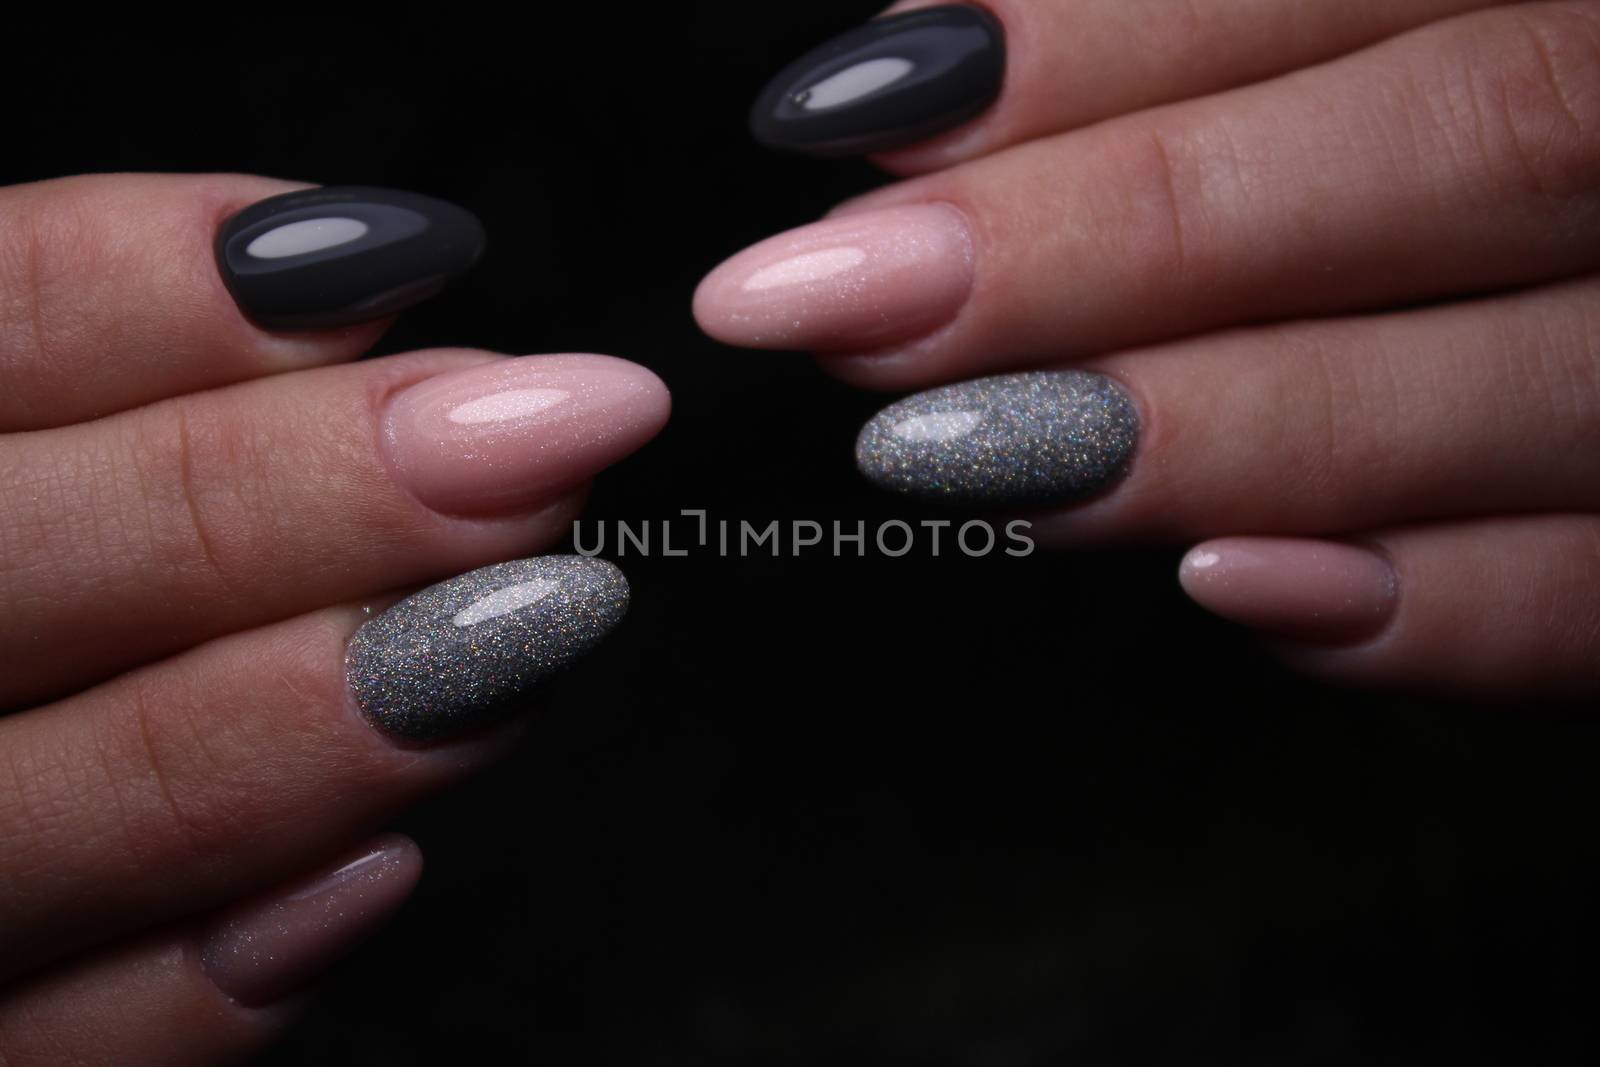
{"x":194,"y":510}
{"x":1328,"y":270}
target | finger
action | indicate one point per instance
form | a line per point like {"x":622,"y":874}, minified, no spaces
{"x":1458,"y":158}
{"x":209,"y":994}
{"x":916,"y":77}
{"x":130,"y":538}
{"x":183,"y":785}
{"x":1336,"y":426}
{"x":112,"y":294}
{"x":1506,"y":607}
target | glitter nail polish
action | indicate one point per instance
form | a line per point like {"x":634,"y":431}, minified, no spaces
{"x":458,"y":655}
{"x":266,"y":948}
{"x":1043,"y":437}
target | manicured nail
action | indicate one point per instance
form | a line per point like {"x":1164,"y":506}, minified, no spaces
{"x":846,"y":284}
{"x":459,"y":655}
{"x":504,"y":436}
{"x":264,"y":950}
{"x":322,"y":258}
{"x":1307,"y":590}
{"x":1019,"y":439}
{"x":887,"y":84}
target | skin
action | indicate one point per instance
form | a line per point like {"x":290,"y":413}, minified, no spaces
{"x":1355,"y":302}
{"x":194,"y":761}
{"x":178,"y":597}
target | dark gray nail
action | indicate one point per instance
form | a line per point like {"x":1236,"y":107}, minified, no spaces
{"x":457,"y":655}
{"x":322,"y":258}
{"x":887,"y":84}
{"x":1017,"y":439}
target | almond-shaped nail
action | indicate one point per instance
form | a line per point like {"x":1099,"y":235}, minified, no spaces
{"x":851,"y":283}
{"x":463,"y":654}
{"x":264,"y":950}
{"x":889,"y":83}
{"x":504,"y":436}
{"x":1043,"y":437}
{"x":1322,"y":591}
{"x":322,"y":258}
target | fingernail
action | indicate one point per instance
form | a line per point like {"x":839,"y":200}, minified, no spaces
{"x":851,"y":283}
{"x":503,"y":436}
{"x":262,"y":951}
{"x":887,"y":84}
{"x":1017,"y":439}
{"x":1308,"y":590}
{"x":458,"y":655}
{"x":322,"y":258}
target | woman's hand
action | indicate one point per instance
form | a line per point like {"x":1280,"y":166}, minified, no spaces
{"x":194,"y":511}
{"x":1343,"y":323}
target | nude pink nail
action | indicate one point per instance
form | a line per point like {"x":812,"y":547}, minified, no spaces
{"x":851,"y":283}
{"x":505,"y":436}
{"x":262,"y":951}
{"x":1308,"y":590}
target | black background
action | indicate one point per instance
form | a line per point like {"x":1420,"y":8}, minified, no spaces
{"x":909,"y":812}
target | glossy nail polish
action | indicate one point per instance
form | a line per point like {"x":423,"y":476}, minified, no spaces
{"x":845,"y":284}
{"x":459,"y":655}
{"x":508,"y":435}
{"x":1013,"y":440}
{"x":324,"y":258}
{"x":890,"y":83}
{"x":264,"y":950}
{"x":1317,"y":591}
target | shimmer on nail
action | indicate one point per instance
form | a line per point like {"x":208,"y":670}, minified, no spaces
{"x":1021,"y":439}
{"x":262,"y":951}
{"x":460,"y":654}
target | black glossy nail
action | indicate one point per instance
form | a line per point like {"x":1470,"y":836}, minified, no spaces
{"x":322,"y":258}
{"x":890,"y":83}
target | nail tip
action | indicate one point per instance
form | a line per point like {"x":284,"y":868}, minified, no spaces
{"x":1037,"y":438}
{"x":465,"y":653}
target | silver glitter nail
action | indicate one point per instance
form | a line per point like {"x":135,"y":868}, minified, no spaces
{"x":1016,"y":439}
{"x":457,"y":655}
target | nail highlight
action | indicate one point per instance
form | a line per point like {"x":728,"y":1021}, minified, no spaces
{"x":890,"y":83}
{"x":1310,"y":590}
{"x":1019,"y":439}
{"x":459,"y":655}
{"x":846,"y":284}
{"x":507,"y":435}
{"x":323,"y":258}
{"x":261,"y":952}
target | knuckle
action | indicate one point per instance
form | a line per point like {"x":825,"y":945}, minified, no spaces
{"x":164,"y":765}
{"x":1337,"y":405}
{"x":1170,"y":180}
{"x":207,"y":482}
{"x":1532,"y":82}
{"x":42,"y":248}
